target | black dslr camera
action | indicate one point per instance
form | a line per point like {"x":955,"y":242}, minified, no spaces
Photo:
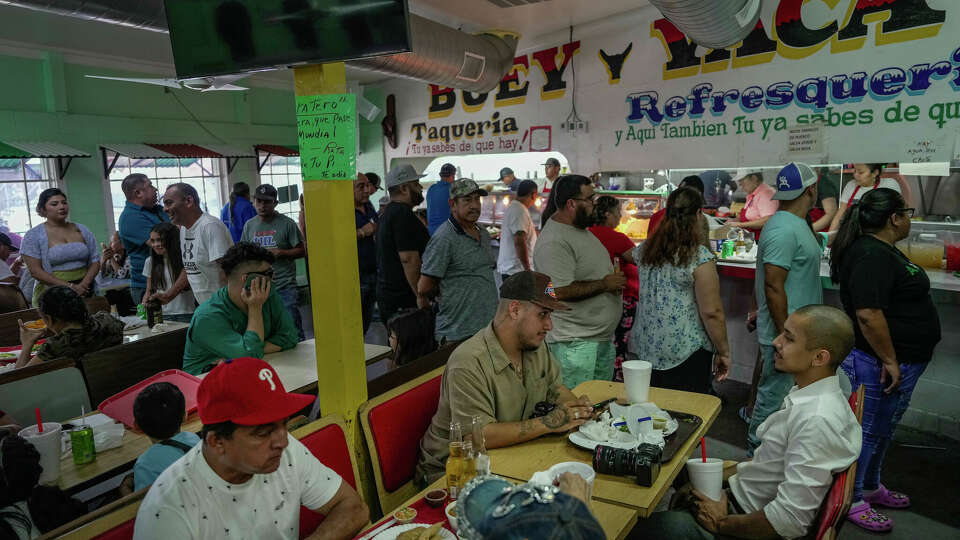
{"x":642,"y":462}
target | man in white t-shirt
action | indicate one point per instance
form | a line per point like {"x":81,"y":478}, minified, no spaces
{"x":582,"y":338}
{"x":248,"y":477}
{"x":203,"y":239}
{"x":518,"y":235}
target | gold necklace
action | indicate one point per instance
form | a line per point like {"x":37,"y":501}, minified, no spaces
{"x":518,"y":369}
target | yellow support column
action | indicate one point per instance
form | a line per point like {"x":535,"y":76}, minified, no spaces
{"x":334,"y":281}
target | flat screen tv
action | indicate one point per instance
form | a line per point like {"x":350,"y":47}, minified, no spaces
{"x":221,"y":37}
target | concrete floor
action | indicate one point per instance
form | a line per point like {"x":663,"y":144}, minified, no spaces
{"x":917,"y":464}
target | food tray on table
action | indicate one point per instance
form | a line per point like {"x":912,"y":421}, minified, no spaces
{"x":120,"y":406}
{"x":688,"y":424}
{"x":426,"y":515}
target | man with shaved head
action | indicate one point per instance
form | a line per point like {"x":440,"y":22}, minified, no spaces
{"x":813,"y":436}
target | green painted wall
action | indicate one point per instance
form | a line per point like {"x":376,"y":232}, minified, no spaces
{"x":370,"y":158}
{"x":45,"y":99}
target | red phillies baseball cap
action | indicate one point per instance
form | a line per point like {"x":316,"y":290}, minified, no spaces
{"x":247,"y":392}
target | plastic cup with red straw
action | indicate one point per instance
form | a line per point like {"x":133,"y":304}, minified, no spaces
{"x":706,"y":475}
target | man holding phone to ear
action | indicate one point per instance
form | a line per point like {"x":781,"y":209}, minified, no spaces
{"x":244,"y":319}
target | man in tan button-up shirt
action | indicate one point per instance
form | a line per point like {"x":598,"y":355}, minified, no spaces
{"x":500,"y":374}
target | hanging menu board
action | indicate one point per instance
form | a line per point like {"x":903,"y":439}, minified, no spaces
{"x":326,"y":130}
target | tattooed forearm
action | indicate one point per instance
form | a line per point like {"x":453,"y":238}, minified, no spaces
{"x":526,"y":426}
{"x":556,"y":418}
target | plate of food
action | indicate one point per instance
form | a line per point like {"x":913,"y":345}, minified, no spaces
{"x":616,"y":427}
{"x":416,"y":531}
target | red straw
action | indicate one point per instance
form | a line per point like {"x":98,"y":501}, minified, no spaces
{"x":39,"y":421}
{"x":703,"y":448}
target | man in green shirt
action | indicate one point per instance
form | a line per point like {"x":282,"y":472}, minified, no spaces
{"x":244,"y":319}
{"x":279,"y":235}
{"x":500,"y":374}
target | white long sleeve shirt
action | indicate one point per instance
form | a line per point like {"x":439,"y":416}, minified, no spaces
{"x":814,"y":435}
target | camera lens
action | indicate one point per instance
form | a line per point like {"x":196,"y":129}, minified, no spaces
{"x":642,"y":462}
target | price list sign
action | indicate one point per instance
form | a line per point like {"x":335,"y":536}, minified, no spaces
{"x":326,"y":130}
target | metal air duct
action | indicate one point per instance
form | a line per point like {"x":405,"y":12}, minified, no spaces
{"x":440,"y":54}
{"x":448,"y":57}
{"x":715,"y":24}
{"x":144,"y":14}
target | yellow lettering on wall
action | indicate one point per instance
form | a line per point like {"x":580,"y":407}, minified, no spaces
{"x":513,"y":86}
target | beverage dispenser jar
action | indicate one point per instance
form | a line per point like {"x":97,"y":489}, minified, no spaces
{"x":924,"y":249}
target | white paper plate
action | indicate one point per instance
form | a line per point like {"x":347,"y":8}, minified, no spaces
{"x":581,"y":440}
{"x":393,"y":532}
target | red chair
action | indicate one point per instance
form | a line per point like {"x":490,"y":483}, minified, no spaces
{"x":837,"y":503}
{"x":326,"y":439}
{"x":393,"y":424}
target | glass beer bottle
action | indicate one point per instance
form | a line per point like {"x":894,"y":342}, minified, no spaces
{"x":455,"y":462}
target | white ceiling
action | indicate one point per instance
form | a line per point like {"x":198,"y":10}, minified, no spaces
{"x":29,"y":33}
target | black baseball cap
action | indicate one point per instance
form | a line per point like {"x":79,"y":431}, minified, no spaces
{"x":448,"y":169}
{"x":5,"y":240}
{"x":505,"y":171}
{"x":552,"y":161}
{"x":266,"y":192}
{"x":526,"y":187}
{"x":533,"y":287}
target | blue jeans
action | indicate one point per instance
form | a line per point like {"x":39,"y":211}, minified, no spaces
{"x":881,"y":413}
{"x":289,"y":297}
{"x":772,"y":388}
{"x":137,"y":294}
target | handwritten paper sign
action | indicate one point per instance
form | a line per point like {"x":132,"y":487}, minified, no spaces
{"x":928,"y":155}
{"x":326,"y":130}
{"x":804,"y":140}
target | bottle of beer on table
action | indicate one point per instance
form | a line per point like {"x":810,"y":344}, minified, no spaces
{"x":455,"y":462}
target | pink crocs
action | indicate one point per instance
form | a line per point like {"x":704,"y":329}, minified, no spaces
{"x":887,"y":498}
{"x":868,"y":518}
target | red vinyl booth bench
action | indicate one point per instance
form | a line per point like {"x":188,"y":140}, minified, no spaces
{"x":393,"y":424}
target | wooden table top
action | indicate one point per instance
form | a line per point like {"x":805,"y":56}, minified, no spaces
{"x":615,"y":520}
{"x":134,"y":444}
{"x":521,"y":461}
{"x":297,"y":369}
{"x":144,"y":331}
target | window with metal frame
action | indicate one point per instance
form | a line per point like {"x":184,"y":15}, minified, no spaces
{"x":201,"y":173}
{"x":21,"y":181}
{"x":283,"y":173}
